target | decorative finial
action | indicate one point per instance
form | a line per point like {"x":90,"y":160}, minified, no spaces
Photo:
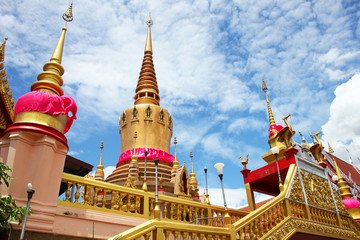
{"x":330,"y":149}
{"x":99,"y":174}
{"x":50,"y":80}
{"x":68,"y":16}
{"x":2,"y":50}
{"x":245,"y":162}
{"x":264,"y":87}
{"x":149,"y":21}
{"x":147,"y":91}
{"x":176,"y":162}
{"x":193,"y":180}
{"x":271,"y":117}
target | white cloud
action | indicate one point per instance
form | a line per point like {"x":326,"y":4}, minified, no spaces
{"x":74,"y":153}
{"x":209,"y":59}
{"x":108,"y":170}
{"x":342,"y":130}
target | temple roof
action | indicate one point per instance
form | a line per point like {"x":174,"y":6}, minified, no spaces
{"x":7,"y":101}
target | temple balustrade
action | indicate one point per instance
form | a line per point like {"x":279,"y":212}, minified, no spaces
{"x":107,"y":197}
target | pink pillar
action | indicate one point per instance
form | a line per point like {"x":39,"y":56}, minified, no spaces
{"x":36,"y":156}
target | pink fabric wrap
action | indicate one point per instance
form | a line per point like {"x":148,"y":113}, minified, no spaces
{"x":152,"y":154}
{"x":277,"y":128}
{"x":49,"y":103}
{"x":351,"y":203}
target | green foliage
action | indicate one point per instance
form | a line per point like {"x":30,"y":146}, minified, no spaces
{"x":9,"y":211}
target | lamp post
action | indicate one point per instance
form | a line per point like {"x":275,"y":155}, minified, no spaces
{"x":144,"y":187}
{"x":157,"y":206}
{"x":30,"y":193}
{"x":206,"y":189}
{"x":275,"y":151}
{"x":219,"y":168}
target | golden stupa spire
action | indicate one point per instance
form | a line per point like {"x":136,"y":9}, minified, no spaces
{"x":99,"y":174}
{"x":271,"y":117}
{"x":176,"y":162}
{"x":193,"y":180}
{"x":147,"y":91}
{"x":343,"y":188}
{"x":50,"y":79}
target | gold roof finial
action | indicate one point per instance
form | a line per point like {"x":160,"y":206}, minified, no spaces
{"x":192,"y":166}
{"x":271,"y":117}
{"x":6,"y":117}
{"x":2,"y":50}
{"x":99,"y":174}
{"x":50,"y":80}
{"x":147,"y":91}
{"x":344,"y":189}
{"x":330,"y":149}
{"x":68,"y":16}
{"x":193,"y":181}
{"x":176,"y":162}
{"x":148,"y":45}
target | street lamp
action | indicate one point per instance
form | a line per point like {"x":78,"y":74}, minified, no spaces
{"x":219,"y":168}
{"x":157,"y":206}
{"x":144,"y":187}
{"x":206,"y":189}
{"x":275,"y":151}
{"x":30,"y":193}
{"x":335,"y":178}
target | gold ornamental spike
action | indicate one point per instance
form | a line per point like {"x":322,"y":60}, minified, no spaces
{"x":50,"y":79}
{"x":2,"y":50}
{"x":147,"y":91}
{"x":343,"y":188}
{"x":176,"y":162}
{"x":192,"y":166}
{"x":271,"y":117}
{"x":148,"y":45}
{"x":99,"y":174}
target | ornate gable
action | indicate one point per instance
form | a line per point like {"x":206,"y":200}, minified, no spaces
{"x":7,"y":101}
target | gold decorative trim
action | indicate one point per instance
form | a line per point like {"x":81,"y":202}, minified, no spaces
{"x":288,"y":229}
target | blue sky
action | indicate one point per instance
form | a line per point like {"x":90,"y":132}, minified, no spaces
{"x":210,"y":58}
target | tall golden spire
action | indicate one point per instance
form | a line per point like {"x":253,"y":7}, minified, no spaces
{"x":50,"y":79}
{"x":271,"y":117}
{"x":147,"y":91}
{"x":99,"y":174}
{"x":193,"y":181}
{"x":343,"y":188}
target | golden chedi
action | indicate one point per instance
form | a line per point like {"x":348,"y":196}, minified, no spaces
{"x":153,"y":127}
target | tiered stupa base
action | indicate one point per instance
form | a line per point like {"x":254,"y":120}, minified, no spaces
{"x":120,"y":175}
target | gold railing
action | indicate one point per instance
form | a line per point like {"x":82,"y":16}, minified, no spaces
{"x":177,"y":213}
{"x":173,"y":230}
{"x":108,"y":197}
